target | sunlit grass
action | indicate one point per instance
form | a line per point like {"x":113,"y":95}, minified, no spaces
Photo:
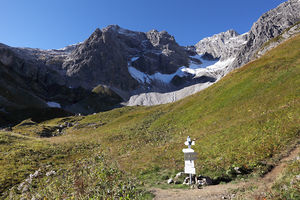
{"x":247,"y":119}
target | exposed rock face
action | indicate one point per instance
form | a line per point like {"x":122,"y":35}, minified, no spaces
{"x":244,"y":47}
{"x":232,"y":50}
{"x":103,"y":58}
{"x":31,"y":78}
{"x":168,"y":54}
{"x":222,"y":45}
{"x":269,"y":25}
{"x":288,"y":33}
{"x":99,"y":59}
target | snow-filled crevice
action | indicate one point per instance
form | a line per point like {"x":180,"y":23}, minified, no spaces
{"x":194,"y":69}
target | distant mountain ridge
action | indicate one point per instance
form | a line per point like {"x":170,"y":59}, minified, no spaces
{"x":232,"y":50}
{"x":134,"y":67}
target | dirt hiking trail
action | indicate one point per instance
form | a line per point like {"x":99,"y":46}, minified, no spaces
{"x":228,"y":191}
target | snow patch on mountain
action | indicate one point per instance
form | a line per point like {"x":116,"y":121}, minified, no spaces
{"x":134,"y":59}
{"x":125,"y":31}
{"x":155,"y":98}
{"x":197,"y":70}
{"x":221,"y":64}
{"x":52,"y":104}
{"x":205,"y":63}
{"x":70,"y":48}
{"x":207,"y":66}
{"x":138,"y":75}
{"x":145,"y":78}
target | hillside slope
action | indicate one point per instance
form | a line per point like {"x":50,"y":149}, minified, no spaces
{"x":247,"y":117}
{"x":247,"y":120}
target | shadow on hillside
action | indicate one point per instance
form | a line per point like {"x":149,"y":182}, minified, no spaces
{"x":36,"y":115}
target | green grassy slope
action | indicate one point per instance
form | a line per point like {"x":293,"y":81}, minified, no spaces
{"x":246,"y":119}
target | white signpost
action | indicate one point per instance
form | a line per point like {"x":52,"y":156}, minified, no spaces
{"x":189,"y":156}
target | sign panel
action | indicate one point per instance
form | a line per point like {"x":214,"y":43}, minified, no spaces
{"x":189,"y":170}
{"x":188,"y":150}
{"x":190,"y":156}
{"x":189,"y":167}
{"x":189,"y":163}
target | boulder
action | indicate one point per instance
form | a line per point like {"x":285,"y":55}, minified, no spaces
{"x":170,"y":181}
{"x":237,"y":170}
{"x":204,"y":180}
{"x":186,"y":181}
{"x":179,"y":175}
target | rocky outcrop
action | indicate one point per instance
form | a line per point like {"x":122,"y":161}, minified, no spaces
{"x":231,"y":50}
{"x":244,"y":47}
{"x":223,"y":45}
{"x":103,"y":58}
{"x":287,"y":34}
{"x":31,"y":79}
{"x":268,"y":26}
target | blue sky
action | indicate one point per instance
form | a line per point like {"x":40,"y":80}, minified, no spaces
{"x":51,"y":24}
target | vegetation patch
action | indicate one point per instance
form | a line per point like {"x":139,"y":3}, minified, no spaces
{"x":91,"y":178}
{"x":243,"y":121}
{"x":288,"y":184}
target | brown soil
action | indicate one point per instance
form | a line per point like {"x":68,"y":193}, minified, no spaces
{"x":255,"y":188}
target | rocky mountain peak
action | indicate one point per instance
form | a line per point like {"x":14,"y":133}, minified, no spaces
{"x":105,"y":56}
{"x":222,"y":45}
{"x":111,"y":27}
{"x":160,"y":38}
{"x":277,"y":19}
{"x":230,"y":33}
{"x":94,"y":37}
{"x":97,"y":32}
{"x":269,"y":25}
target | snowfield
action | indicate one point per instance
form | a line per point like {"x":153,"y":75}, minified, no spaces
{"x":194,"y":69}
{"x":210,"y":68}
{"x":52,"y":104}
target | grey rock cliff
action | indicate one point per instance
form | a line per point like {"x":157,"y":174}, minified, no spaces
{"x":268,"y":26}
{"x":233,"y":50}
{"x":222,"y":45}
{"x":103,"y":58}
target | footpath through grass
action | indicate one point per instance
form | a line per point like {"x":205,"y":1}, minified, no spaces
{"x":287,"y":185}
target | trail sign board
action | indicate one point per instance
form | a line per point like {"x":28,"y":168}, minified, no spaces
{"x":189,"y":167}
{"x":190,"y":156}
